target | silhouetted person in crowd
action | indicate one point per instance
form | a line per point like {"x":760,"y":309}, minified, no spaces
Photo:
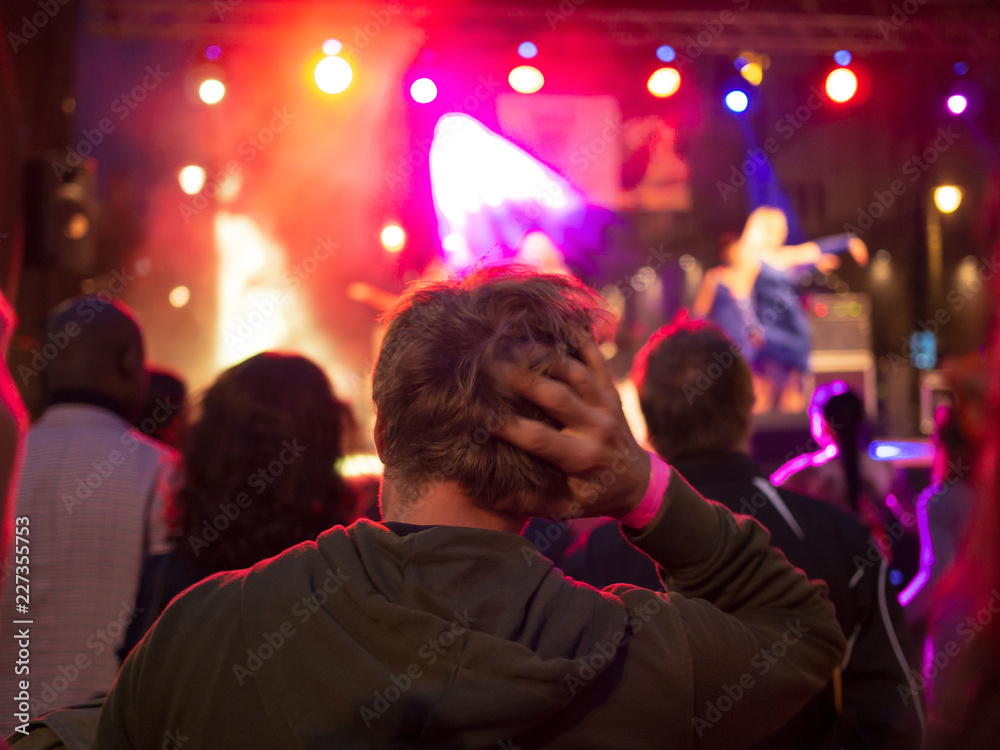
{"x":259,"y":475}
{"x":964,"y":667}
{"x":842,"y":473}
{"x":92,"y":495}
{"x":696,"y":394}
{"x":944,"y":510}
{"x":442,"y":626}
{"x":164,"y":414}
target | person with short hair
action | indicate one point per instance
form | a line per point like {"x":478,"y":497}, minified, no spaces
{"x":442,"y":626}
{"x":696,"y":394}
{"x":91,"y":504}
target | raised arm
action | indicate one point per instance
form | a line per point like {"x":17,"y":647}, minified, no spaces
{"x":747,"y":617}
{"x":821,"y":253}
{"x":706,"y":293}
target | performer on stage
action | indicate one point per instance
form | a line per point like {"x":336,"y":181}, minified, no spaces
{"x":751,"y":297}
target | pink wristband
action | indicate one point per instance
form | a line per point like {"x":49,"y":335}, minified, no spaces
{"x":649,"y":506}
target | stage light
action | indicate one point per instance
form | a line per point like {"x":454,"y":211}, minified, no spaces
{"x":821,"y":309}
{"x":229,"y":187}
{"x":192,"y":179}
{"x":213,"y":52}
{"x":333,"y":75}
{"x":423,"y":91}
{"x":359,"y":465}
{"x":666,"y":53}
{"x":737,"y":101}
{"x":455,"y":245}
{"x":947,"y":198}
{"x":841,"y":85}
{"x":957,"y":104}
{"x":527,"y":50}
{"x":967,"y":273}
{"x":179,"y":296}
{"x":393,"y":238}
{"x":740,"y":62}
{"x":842,"y":57}
{"x":332,"y":47}
{"x":899,"y":450}
{"x":664,"y":82}
{"x":77,"y":226}
{"x":525,"y":79}
{"x":960,"y":68}
{"x":881,"y":267}
{"x":486,"y":188}
{"x":211,"y":91}
{"x":753,"y":73}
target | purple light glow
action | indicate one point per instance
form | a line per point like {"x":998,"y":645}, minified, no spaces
{"x":821,"y":395}
{"x":484,"y":187}
{"x":957,"y":104}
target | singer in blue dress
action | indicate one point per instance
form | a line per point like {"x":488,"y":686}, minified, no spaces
{"x":752,"y":298}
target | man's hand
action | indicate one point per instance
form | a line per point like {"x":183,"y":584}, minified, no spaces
{"x":608,"y":471}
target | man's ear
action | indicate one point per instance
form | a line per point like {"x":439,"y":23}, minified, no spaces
{"x":380,"y":437}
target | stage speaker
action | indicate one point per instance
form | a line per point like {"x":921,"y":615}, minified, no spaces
{"x":59,"y":214}
{"x":935,"y":391}
{"x":842,"y":345}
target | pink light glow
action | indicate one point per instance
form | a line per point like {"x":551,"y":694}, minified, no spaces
{"x":800,"y":462}
{"x":926,"y":550}
{"x":820,"y":396}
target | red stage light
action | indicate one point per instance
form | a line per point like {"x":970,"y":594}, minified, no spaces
{"x":821,"y":309}
{"x":841,"y":85}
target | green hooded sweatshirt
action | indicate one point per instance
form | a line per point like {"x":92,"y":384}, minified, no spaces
{"x":396,"y":636}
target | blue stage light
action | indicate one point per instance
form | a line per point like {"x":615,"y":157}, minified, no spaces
{"x":665,"y":53}
{"x":737,"y":101}
{"x":900,"y":450}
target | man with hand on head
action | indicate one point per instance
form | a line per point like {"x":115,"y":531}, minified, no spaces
{"x":442,"y":627}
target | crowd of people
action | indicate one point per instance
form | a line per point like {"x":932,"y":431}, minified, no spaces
{"x":201,"y":575}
